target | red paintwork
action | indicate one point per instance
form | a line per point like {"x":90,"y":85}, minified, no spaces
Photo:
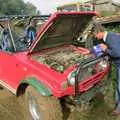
{"x":18,"y":66}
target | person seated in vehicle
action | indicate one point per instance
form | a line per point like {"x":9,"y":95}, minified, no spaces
{"x":30,"y":33}
{"x":4,"y":40}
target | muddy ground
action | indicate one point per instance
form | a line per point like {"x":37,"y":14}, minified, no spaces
{"x":99,"y":109}
{"x":9,"y":108}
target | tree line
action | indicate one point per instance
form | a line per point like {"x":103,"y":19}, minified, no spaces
{"x":16,"y":7}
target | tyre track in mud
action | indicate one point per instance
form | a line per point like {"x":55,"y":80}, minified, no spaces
{"x":10,"y":109}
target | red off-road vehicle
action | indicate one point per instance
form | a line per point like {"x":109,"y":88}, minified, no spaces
{"x":52,"y":67}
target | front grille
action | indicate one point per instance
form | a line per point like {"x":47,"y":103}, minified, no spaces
{"x":87,"y":69}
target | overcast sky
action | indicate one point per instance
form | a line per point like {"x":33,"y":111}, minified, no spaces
{"x":48,"y":6}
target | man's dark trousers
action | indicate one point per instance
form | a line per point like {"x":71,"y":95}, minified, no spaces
{"x":118,"y":87}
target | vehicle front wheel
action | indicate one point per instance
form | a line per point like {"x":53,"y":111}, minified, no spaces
{"x":38,"y":107}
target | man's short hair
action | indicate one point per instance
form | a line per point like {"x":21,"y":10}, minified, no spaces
{"x":97,"y":27}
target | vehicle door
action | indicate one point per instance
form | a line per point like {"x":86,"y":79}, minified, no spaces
{"x":8,"y":61}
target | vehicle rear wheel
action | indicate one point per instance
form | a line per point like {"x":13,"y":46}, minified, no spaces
{"x":38,"y":107}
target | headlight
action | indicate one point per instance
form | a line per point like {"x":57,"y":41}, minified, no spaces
{"x":84,"y":73}
{"x":87,"y":71}
{"x":102,"y":65}
{"x":71,"y":78}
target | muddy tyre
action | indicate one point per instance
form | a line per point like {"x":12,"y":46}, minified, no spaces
{"x":37,"y":107}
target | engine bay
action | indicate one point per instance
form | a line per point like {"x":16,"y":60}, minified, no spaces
{"x":60,"y":58}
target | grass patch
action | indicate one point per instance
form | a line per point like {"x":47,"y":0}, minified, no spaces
{"x":106,"y":13}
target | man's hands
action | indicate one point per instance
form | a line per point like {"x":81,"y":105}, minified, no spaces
{"x":103,"y":46}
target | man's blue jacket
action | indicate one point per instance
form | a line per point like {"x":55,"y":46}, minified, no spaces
{"x":113,"y":43}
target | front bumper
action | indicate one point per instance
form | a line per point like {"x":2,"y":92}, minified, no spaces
{"x":85,"y":84}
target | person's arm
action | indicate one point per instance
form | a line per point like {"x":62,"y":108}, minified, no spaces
{"x":114,"y":51}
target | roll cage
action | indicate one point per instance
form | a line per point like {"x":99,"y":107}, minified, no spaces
{"x":15,"y":25}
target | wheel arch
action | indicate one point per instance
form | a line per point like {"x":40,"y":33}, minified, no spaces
{"x":40,"y":87}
